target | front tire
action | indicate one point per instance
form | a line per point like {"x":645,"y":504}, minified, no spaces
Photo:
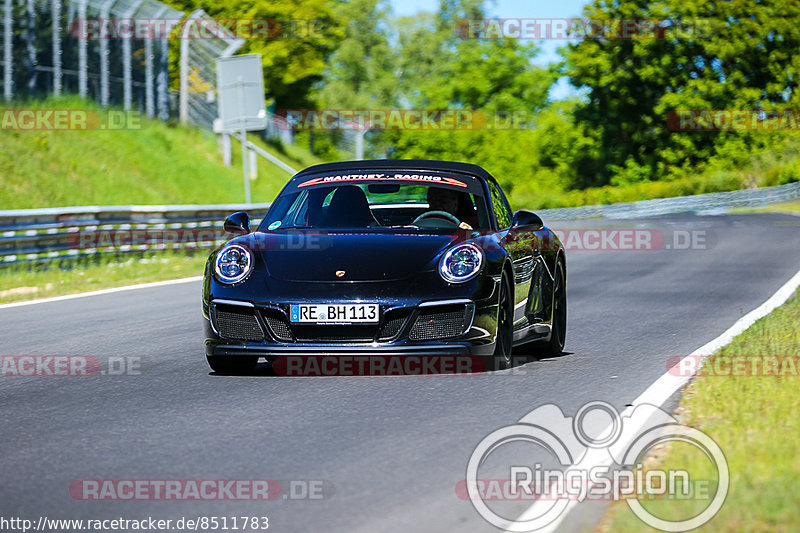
{"x":558,"y":332}
{"x":232,"y":365}
{"x":504,"y":339}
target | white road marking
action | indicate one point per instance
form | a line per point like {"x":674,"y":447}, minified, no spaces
{"x":664,"y":387}
{"x":102,"y":291}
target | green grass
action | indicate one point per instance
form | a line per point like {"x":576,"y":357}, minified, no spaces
{"x":157,"y":163}
{"x":21,"y":282}
{"x":791,"y":208}
{"x":755,"y":422}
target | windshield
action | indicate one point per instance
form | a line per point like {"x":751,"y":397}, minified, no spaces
{"x":379,"y":201}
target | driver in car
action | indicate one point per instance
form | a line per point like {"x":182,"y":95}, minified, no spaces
{"x":440,"y":199}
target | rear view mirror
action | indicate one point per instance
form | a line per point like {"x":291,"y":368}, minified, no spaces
{"x":238,"y":223}
{"x":528,"y":220}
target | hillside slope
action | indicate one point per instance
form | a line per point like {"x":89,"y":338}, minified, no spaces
{"x":155,"y":163}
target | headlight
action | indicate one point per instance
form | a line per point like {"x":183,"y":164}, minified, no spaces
{"x":233,"y":263}
{"x":462,"y":263}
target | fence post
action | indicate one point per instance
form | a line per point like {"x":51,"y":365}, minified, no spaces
{"x":162,"y":85}
{"x":31,"y":43}
{"x":149,"y":99}
{"x":127,"y":68}
{"x":105,"y":9}
{"x":149,"y":105}
{"x":56,"y":7}
{"x":184,"y":66}
{"x":83,"y":65}
{"x":7,"y":65}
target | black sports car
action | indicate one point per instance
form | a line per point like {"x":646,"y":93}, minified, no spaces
{"x":385,"y":257}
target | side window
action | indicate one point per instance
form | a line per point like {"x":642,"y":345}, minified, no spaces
{"x":298,"y":211}
{"x":327,"y":201}
{"x":500,"y":207}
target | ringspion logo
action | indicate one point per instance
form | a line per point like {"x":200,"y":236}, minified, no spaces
{"x":601,"y":456}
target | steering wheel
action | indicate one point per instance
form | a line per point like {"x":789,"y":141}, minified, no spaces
{"x":437,"y":214}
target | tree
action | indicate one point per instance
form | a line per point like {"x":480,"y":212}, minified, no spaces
{"x":439,"y":69}
{"x":294,"y":59}
{"x":706,"y":55}
{"x":359,"y":72}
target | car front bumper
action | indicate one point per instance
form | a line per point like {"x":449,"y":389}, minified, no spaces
{"x":476,"y":337}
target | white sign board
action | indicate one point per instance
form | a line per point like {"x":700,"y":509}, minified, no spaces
{"x":240,"y":88}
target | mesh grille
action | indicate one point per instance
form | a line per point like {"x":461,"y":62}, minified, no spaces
{"x":439,"y":323}
{"x":279,"y":327}
{"x":392,"y":326}
{"x":238,"y":325}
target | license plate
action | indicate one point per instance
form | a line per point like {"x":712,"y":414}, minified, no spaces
{"x":334,"y":313}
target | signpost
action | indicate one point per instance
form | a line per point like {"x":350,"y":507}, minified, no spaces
{"x":240,"y":87}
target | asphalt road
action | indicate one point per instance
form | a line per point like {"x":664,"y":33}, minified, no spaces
{"x":390,"y":450}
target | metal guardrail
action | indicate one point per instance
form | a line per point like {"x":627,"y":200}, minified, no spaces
{"x":711,"y":203}
{"x":34,"y":235}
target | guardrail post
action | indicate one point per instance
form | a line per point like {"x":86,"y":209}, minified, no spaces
{"x":225,"y":147}
{"x":253,"y":164}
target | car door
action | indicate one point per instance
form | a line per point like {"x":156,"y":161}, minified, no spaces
{"x":520,"y":246}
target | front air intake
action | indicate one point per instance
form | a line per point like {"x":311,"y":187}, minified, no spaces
{"x":392,"y":324}
{"x":441,"y":322}
{"x":278,"y":325}
{"x":237,"y":324}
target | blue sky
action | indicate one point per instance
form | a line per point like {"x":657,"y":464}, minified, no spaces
{"x":515,"y":9}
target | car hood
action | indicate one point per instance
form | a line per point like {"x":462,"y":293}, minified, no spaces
{"x":318,"y":257}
